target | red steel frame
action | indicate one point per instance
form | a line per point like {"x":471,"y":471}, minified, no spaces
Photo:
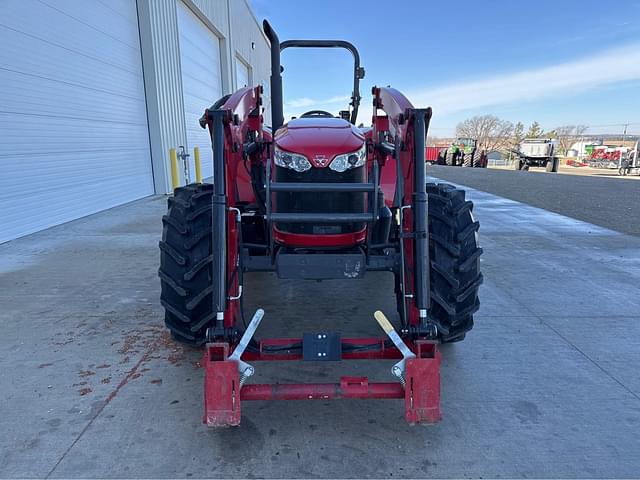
{"x":223,"y":394}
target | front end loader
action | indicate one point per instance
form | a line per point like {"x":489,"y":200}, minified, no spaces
{"x":317,"y":199}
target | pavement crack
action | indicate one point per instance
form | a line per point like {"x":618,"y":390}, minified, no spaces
{"x":130,"y":374}
{"x":606,"y":372}
{"x":573,"y":345}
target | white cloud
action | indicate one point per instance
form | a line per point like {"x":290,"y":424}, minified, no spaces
{"x":338,"y":99}
{"x":300,"y":102}
{"x":298,"y":106}
{"x":512,"y":88}
{"x":569,"y":78}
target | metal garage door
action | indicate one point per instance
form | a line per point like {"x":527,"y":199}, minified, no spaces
{"x":242,"y":74}
{"x":74,"y":137}
{"x":201,"y":80}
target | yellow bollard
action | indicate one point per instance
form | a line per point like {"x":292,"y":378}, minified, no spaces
{"x":196,"y":157}
{"x":175,"y":178}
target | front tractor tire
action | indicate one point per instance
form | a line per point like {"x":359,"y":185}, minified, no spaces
{"x":455,"y":261}
{"x":186,"y":263}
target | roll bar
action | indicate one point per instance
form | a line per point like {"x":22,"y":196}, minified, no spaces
{"x":277,"y":105}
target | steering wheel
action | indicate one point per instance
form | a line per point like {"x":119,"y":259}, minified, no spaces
{"x":317,"y":113}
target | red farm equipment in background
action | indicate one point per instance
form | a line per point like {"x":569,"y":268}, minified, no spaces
{"x":605,"y":152}
{"x":606,"y":156}
{"x":318,"y":199}
{"x":435,"y":155}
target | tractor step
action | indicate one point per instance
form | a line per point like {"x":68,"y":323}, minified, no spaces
{"x":321,"y":187}
{"x":321,"y":217}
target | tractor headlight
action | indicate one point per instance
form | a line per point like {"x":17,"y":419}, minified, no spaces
{"x":342,"y":163}
{"x":294,"y":161}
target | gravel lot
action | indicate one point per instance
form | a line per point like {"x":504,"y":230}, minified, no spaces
{"x":608,"y":202}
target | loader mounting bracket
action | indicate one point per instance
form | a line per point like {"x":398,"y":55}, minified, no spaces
{"x":321,"y":347}
{"x":223,"y":395}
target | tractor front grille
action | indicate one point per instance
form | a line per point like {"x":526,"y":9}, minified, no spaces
{"x":320,"y":202}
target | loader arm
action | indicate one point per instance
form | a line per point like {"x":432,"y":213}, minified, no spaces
{"x":401,"y":131}
{"x":237,"y":137}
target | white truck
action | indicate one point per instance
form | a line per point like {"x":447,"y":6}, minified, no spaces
{"x":537,"y":152}
{"x":629,"y":163}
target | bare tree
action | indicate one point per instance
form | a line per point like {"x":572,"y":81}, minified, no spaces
{"x":568,"y":134}
{"x":432,"y":140}
{"x":564,"y":135}
{"x":580,"y":130}
{"x":491,"y":132}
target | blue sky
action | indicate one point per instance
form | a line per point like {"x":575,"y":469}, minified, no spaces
{"x":557,"y":62}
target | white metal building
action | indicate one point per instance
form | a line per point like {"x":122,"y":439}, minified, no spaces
{"x":94,"y":93}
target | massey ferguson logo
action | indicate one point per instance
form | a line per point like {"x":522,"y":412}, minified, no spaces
{"x":321,"y":160}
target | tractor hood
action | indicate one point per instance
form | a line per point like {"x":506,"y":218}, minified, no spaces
{"x":319,"y":139}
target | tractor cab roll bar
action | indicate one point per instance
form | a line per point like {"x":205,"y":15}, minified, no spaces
{"x":277,"y":105}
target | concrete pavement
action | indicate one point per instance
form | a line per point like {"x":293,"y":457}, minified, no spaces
{"x":609,"y":202}
{"x":546,"y":385}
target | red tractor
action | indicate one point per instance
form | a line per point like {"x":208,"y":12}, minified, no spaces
{"x":315,"y":199}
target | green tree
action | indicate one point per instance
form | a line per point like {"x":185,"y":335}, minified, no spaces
{"x":518,"y":135}
{"x":535,"y":130}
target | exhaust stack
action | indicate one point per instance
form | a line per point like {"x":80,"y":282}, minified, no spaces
{"x":277,"y":115}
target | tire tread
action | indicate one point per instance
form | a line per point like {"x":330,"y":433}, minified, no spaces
{"x":186,"y":264}
{"x":455,"y":261}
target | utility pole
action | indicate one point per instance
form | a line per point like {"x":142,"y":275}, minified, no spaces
{"x":624,"y":137}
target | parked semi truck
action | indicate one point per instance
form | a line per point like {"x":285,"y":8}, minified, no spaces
{"x":537,"y":152}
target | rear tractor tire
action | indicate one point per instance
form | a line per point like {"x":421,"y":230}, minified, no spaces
{"x":455,"y":261}
{"x":186,"y":264}
{"x":468,"y":159}
{"x":449,"y":158}
{"x":478,"y":160}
